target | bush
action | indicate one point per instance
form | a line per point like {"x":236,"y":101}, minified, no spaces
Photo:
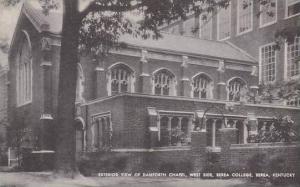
{"x":167,"y":167}
{"x":102,"y":162}
{"x":257,"y":163}
{"x":172,"y":167}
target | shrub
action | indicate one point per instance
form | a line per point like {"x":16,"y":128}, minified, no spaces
{"x":167,"y":167}
{"x":278,"y":164}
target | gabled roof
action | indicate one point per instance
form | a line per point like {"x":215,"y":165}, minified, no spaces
{"x":52,"y":23}
{"x":191,"y":45}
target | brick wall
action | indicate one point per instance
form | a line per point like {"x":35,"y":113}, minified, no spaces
{"x":130,"y":117}
{"x":91,"y":83}
{"x":159,"y":160}
{"x":240,"y":154}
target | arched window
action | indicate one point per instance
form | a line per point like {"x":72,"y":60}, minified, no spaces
{"x":24,"y":72}
{"x":202,"y":87}
{"x":79,"y":84}
{"x":234,"y":88}
{"x":164,"y":83}
{"x":120,"y":79}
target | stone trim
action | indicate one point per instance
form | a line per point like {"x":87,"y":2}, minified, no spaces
{"x":158,"y":149}
{"x":264,"y":145}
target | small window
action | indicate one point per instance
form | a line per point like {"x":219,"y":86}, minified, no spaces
{"x":202,"y":87}
{"x":293,"y":58}
{"x":245,"y":14}
{"x":292,"y":8}
{"x":234,"y":89}
{"x":268,"y":13}
{"x":268,"y":63}
{"x":164,"y":83}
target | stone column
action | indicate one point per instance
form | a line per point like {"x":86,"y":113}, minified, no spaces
{"x":221,"y":85}
{"x":170,"y":128}
{"x":245,"y":132}
{"x":154,"y":126}
{"x":179,"y":122}
{"x":185,"y":81}
{"x":145,"y":78}
{"x":190,"y":128}
{"x":252,"y":126}
{"x":46,"y":118}
{"x":213,"y":133}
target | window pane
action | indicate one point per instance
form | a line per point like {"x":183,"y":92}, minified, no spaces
{"x":244,"y":15}
{"x":268,"y":61}
{"x":293,"y":7}
{"x":163,"y":83}
{"x":293,"y":55}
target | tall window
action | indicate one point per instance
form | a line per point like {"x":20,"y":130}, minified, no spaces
{"x":245,"y":13}
{"x":24,"y":73}
{"x":202,"y":87}
{"x":235,"y":88}
{"x":102,"y":133}
{"x":268,"y":13}
{"x":205,"y":30}
{"x":224,"y":25}
{"x":292,"y":8}
{"x":293,"y":58}
{"x":164,"y":83}
{"x":268,"y":63}
{"x":120,"y":79}
{"x":79,"y":84}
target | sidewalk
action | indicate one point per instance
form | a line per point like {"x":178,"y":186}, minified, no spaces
{"x":44,"y":179}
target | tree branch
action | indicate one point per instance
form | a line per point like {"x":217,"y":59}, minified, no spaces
{"x":93,"y":7}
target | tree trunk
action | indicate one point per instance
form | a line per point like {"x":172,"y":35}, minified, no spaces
{"x":65,"y":163}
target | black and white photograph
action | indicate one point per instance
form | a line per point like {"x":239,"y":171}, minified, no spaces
{"x":194,"y":93}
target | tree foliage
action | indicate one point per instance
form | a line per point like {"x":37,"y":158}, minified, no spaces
{"x":280,"y":130}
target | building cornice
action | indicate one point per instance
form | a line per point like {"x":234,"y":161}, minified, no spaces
{"x":181,"y":98}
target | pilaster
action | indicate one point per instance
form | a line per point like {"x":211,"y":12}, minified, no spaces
{"x":185,"y":82}
{"x":47,"y":107}
{"x":221,"y":85}
{"x":145,"y":78}
{"x":100,"y":80}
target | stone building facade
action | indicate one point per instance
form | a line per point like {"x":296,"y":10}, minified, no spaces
{"x":152,"y":96}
